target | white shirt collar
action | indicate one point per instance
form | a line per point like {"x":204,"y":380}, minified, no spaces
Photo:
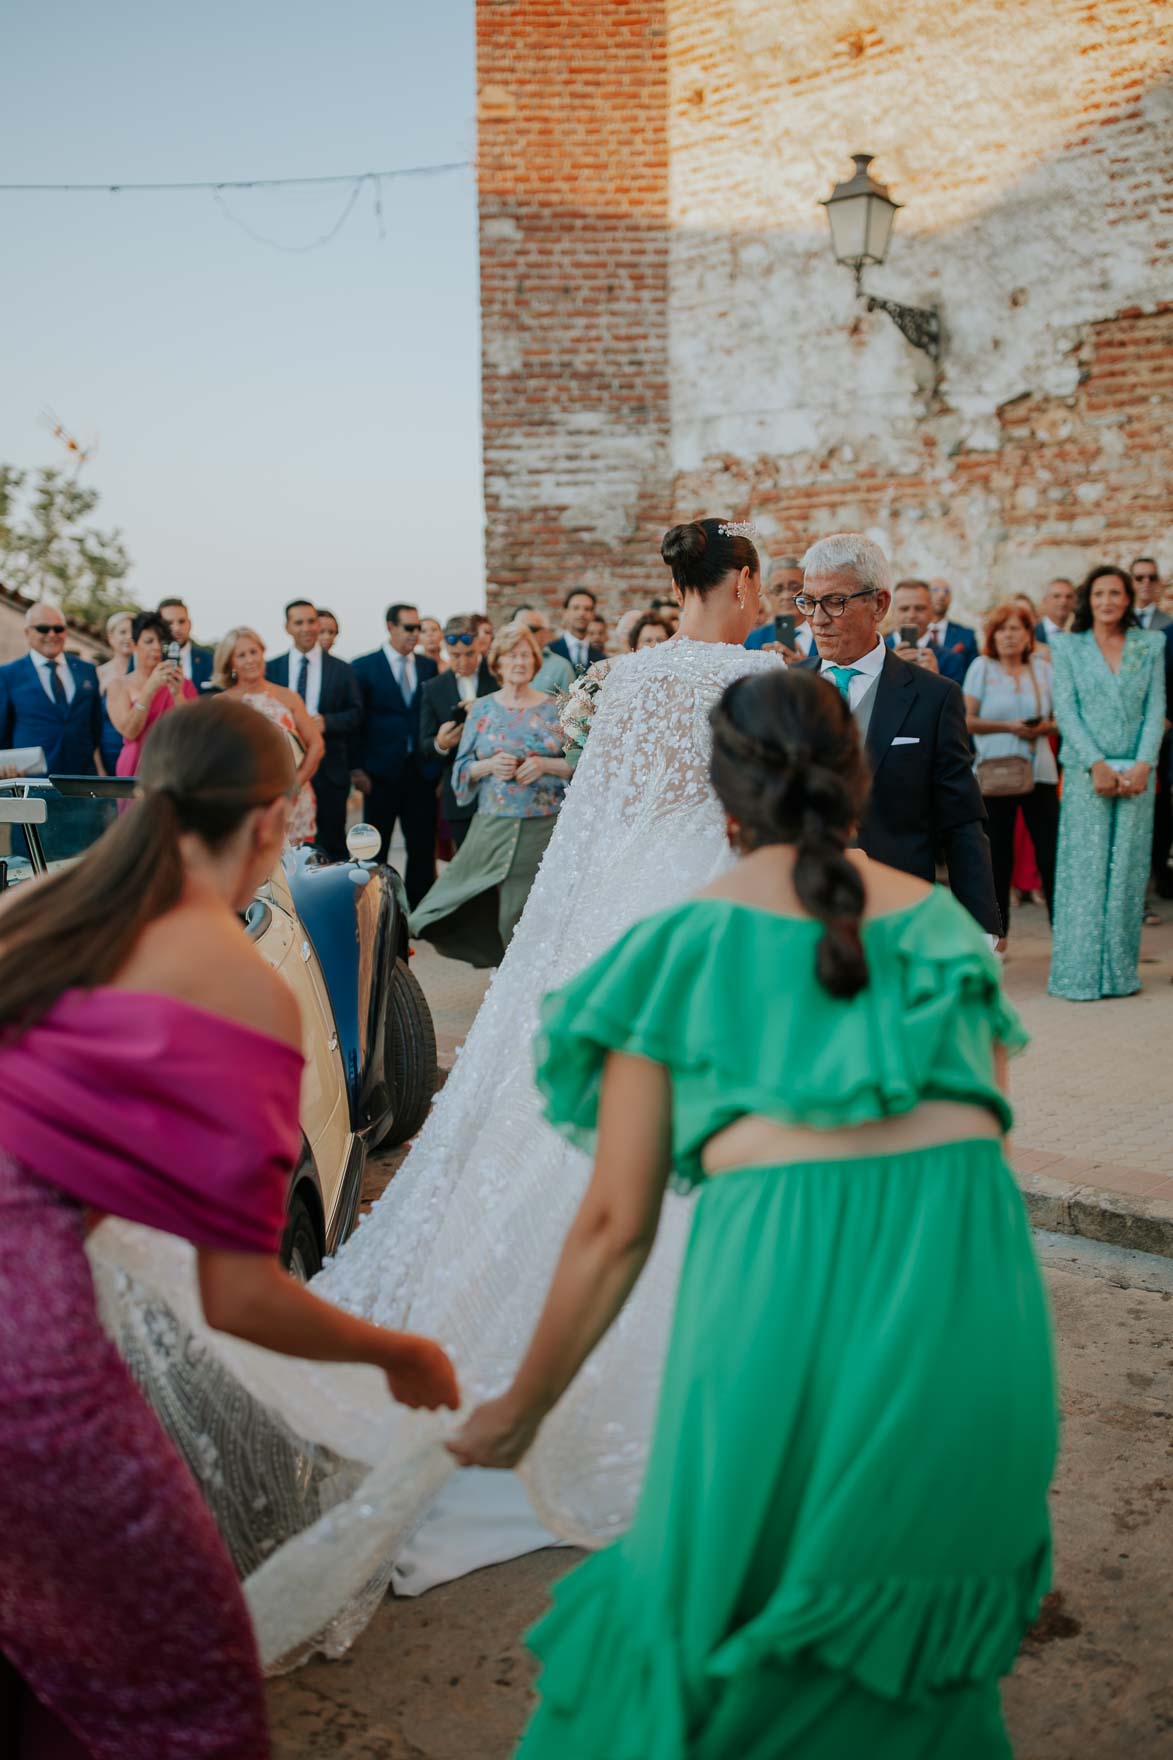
{"x":44,"y":664}
{"x":869,"y":664}
{"x":466,"y":688}
{"x":296,"y":657}
{"x":1051,"y":627}
{"x":575,"y":643}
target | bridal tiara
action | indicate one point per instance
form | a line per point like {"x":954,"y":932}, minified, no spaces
{"x":738,"y":528}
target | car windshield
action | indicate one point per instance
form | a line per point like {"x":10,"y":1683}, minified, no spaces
{"x":77,"y":815}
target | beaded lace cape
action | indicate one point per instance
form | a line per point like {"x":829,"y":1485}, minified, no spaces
{"x":316,"y":1478}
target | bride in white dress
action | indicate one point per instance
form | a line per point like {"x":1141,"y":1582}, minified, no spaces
{"x":317,"y":1481}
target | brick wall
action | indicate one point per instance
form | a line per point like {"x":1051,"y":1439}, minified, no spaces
{"x":573,"y":159}
{"x":1030,"y":147}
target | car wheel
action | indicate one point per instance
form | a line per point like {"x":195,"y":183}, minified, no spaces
{"x":410,"y":1038}
{"x":300,"y":1249}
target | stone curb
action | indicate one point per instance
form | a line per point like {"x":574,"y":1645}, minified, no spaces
{"x":1143,"y":1224}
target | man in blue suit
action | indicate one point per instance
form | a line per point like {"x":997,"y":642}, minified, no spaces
{"x":945,"y":635}
{"x":398,"y":779}
{"x":195,"y":661}
{"x":329,"y":690}
{"x":912,"y":604}
{"x":50,"y":699}
{"x":578,"y":611}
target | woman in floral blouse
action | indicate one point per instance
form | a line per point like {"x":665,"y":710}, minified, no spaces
{"x":510,"y":761}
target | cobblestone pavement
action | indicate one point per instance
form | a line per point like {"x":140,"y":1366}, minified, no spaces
{"x":446,"y":1677}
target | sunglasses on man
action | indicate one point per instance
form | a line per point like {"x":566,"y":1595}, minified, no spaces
{"x":465,"y":641}
{"x":413,"y":629}
{"x":48,"y":629}
{"x":1138,"y":576}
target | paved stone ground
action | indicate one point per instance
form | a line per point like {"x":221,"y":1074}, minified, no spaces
{"x":445,"y":1677}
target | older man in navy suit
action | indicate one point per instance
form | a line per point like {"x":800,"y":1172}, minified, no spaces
{"x":50,"y":699}
{"x":398,"y":778}
{"x":925,"y":802}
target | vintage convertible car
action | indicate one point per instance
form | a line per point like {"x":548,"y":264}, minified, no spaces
{"x":337,"y":932}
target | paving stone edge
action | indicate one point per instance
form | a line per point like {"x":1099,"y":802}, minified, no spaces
{"x":1143,"y":1224}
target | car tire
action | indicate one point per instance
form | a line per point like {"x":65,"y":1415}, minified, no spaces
{"x":301,"y":1250}
{"x":410,"y":1053}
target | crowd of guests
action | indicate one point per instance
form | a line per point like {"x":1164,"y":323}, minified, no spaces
{"x":881,"y":1622}
{"x":1065,"y":711}
{"x":449,"y":731}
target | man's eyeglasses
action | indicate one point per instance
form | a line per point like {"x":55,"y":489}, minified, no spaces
{"x":48,"y":629}
{"x":413,"y":629}
{"x":465,"y":641}
{"x":834,"y":604}
{"x":1137,"y":576}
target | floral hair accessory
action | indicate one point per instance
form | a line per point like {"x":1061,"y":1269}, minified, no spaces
{"x":738,"y":528}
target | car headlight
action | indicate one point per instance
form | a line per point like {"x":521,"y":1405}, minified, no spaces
{"x":363,"y":842}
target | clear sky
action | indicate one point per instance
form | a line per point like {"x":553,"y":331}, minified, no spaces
{"x":269,"y":423}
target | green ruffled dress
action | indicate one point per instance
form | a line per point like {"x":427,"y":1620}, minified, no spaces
{"x":843,"y":1529}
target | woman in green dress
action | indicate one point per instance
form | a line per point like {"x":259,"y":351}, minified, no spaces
{"x":510,"y":761}
{"x":1109,"y":691}
{"x":843,"y":1530}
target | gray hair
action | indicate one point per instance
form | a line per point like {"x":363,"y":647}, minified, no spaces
{"x":42,"y":605}
{"x":850,"y":553}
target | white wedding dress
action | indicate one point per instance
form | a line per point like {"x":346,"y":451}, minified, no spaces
{"x":318,"y":1480}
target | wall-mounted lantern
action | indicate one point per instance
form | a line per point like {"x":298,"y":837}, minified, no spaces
{"x":861,"y":213}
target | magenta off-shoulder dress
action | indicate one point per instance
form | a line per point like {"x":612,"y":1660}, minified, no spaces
{"x":119,"y":1606}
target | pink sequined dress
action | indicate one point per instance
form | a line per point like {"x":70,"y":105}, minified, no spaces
{"x":119,"y":1606}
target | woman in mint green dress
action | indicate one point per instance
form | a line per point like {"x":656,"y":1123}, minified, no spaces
{"x":1109,"y":688}
{"x":843,"y":1529}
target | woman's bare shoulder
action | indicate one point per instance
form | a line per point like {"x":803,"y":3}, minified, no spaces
{"x":289,"y":699}
{"x":889,"y":889}
{"x":201,"y":955}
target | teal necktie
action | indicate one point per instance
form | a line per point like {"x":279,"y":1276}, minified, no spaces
{"x":843,"y":676}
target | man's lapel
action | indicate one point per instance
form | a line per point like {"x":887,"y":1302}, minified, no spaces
{"x":895,"y":695}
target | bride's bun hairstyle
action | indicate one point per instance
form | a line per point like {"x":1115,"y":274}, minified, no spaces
{"x":701,"y":553}
{"x":787,"y":765}
{"x":205,"y":767}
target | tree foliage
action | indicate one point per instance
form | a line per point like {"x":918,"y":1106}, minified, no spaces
{"x":48,"y":552}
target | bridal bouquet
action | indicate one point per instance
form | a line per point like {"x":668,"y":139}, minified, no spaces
{"x":577,"y":708}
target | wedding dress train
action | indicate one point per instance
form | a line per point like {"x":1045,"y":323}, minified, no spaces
{"x":317,"y":1479}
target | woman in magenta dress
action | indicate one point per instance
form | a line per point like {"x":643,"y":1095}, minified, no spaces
{"x":150,"y":1066}
{"x":137,"y":699}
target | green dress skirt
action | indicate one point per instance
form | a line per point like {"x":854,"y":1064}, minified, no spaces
{"x":843,"y":1531}
{"x":471,"y":911}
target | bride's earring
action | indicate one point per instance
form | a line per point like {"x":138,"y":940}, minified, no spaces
{"x":733,"y":834}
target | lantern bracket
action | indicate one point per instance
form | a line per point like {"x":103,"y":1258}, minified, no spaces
{"x":920,"y":324}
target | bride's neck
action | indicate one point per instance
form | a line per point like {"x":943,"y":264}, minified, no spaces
{"x":715,"y":619}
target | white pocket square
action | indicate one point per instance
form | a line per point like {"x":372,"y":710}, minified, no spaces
{"x":903,"y":740}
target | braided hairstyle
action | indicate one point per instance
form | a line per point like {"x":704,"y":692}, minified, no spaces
{"x":700,"y":555}
{"x":788,"y":766}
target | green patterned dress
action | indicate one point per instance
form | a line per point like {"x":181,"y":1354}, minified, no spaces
{"x":843,"y":1530}
{"x":1105,"y":843}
